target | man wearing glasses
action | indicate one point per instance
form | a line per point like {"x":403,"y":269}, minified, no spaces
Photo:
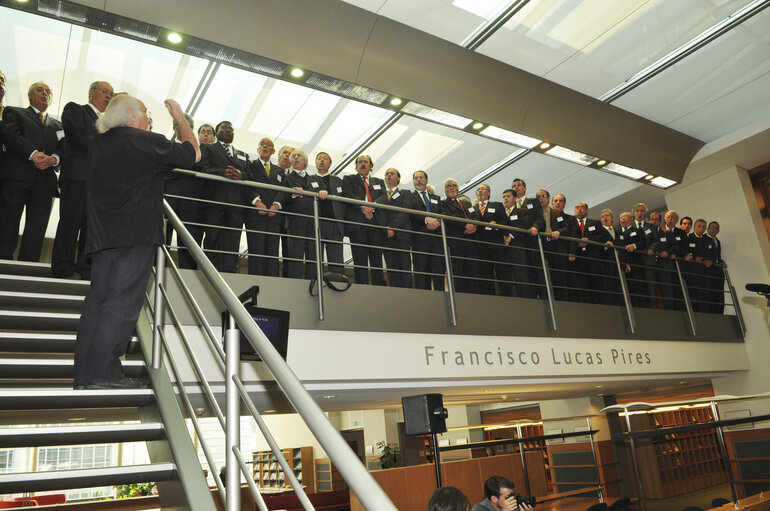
{"x":79,"y":121}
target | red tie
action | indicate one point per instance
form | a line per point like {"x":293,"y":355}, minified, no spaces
{"x":582,"y":228}
{"x":461,"y":207}
{"x":368,"y":195}
{"x":483,"y":208}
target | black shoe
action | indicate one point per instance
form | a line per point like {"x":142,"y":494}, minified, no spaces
{"x":79,"y":386}
{"x":120,"y":383}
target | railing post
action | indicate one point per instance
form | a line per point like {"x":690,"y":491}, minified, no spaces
{"x":626,"y":296}
{"x":548,"y":288}
{"x":160,"y":267}
{"x":523,"y":460}
{"x":725,"y":456}
{"x":736,"y":305}
{"x":687,"y":303}
{"x":450,"y":282}
{"x":635,"y":460}
{"x":232,"y":416}
{"x":319,"y":265}
{"x":596,"y":460}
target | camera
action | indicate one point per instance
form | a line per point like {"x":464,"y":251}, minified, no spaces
{"x":521,"y":499}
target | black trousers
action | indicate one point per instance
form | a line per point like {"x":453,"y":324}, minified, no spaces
{"x":465,"y":268}
{"x":425,"y":263}
{"x":67,"y":255}
{"x":370,"y":255}
{"x":37,"y":198}
{"x":219,"y":240}
{"x":518,"y":256}
{"x":263,"y":245}
{"x":331,"y":243}
{"x":717,"y":286}
{"x":302,"y":251}
{"x":118,"y":282}
{"x":398,"y":260}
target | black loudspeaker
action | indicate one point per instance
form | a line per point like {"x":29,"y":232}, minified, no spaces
{"x":424,"y":414}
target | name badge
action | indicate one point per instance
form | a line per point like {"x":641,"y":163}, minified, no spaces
{"x":633,"y":233}
{"x":279,"y":177}
{"x":491,"y":210}
{"x":471,"y":210}
{"x":240,"y":157}
{"x":339,"y":189}
{"x":529,"y":206}
{"x":433,"y":201}
{"x":314,"y":184}
{"x":59,"y":134}
{"x":678,"y":238}
{"x":488,"y":228}
{"x":560,"y":219}
{"x":377,"y":187}
{"x":622,"y":237}
{"x":709,"y":247}
{"x":663,"y":240}
{"x":591,"y":228}
{"x":395,"y":195}
{"x":648,"y":231}
{"x":514,"y":217}
{"x":692,"y":245}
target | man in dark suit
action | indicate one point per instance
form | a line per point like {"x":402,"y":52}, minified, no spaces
{"x":301,"y":226}
{"x":124,"y":205}
{"x":554,"y":226}
{"x":397,"y":236}
{"x":79,"y":123}
{"x":206,"y":134}
{"x":427,"y":239}
{"x":224,"y":221}
{"x":644,"y":261}
{"x":34,"y":142}
{"x":716,"y":270}
{"x":587,"y":274}
{"x":461,"y":238}
{"x":697,"y":267}
{"x":492,"y":267}
{"x":527,"y":214}
{"x":331,"y":230}
{"x":2,"y":149}
{"x":285,"y":163}
{"x":608,"y":266}
{"x":263,"y":223}
{"x":672,"y":244}
{"x":366,"y":240}
{"x":565,"y":224}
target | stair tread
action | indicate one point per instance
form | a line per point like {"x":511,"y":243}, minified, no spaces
{"x":19,"y":398}
{"x":85,"y":478}
{"x":80,"y":434}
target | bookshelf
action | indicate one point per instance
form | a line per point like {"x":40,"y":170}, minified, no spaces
{"x":327,"y":476}
{"x":269,"y":474}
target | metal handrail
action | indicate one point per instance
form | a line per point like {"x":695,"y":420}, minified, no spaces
{"x":348,"y":464}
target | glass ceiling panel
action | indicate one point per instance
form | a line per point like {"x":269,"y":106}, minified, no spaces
{"x":453,"y":20}
{"x":353,"y":122}
{"x":721,"y":87}
{"x":443,"y":152}
{"x":594,"y":46}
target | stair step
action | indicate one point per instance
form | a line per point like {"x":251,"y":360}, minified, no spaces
{"x":22,"y":320}
{"x":27,"y":284}
{"x":25,"y":268}
{"x":42,"y":342}
{"x":17,"y":300}
{"x":52,"y":366}
{"x":78,"y":435}
{"x":85,"y":478}
{"x":14,"y":398}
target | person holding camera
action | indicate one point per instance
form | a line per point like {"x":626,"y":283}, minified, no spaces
{"x":501,"y":497}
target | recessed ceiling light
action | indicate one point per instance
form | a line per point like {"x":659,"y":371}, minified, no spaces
{"x":599,"y":386}
{"x":624,"y":171}
{"x":510,"y":137}
{"x":601,"y":162}
{"x":477,"y":125}
{"x":662,"y":182}
{"x":268,"y":411}
{"x":649,"y":177}
{"x":174,"y":38}
{"x":545,"y":145}
{"x":570,"y":155}
{"x":395,"y":101}
{"x":328,"y":397}
{"x":71,"y":418}
{"x":297,"y":73}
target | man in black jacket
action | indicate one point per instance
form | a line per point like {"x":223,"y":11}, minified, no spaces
{"x":331,"y":230}
{"x":492,"y":267}
{"x":397,"y":235}
{"x":301,"y":224}
{"x":427,"y":239}
{"x":79,"y":123}
{"x":716,"y":271}
{"x":34,"y":144}
{"x":583,"y":256}
{"x":461,"y":238}
{"x":672,"y":244}
{"x":124,"y":202}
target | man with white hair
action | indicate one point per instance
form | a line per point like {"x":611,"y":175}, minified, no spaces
{"x":124,"y":201}
{"x":34,"y":142}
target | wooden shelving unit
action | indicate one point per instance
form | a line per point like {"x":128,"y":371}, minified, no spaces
{"x":269,"y":474}
{"x":675,"y":464}
{"x":327,"y":476}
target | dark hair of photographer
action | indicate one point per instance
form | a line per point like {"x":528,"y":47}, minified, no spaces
{"x":494,"y":484}
{"x":448,"y":498}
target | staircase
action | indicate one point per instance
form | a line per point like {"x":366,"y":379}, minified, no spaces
{"x":38,"y":322}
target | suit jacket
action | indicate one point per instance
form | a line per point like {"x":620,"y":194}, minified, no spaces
{"x":529,"y":215}
{"x":494,"y":212}
{"x":333,"y":209}
{"x":302,"y":204}
{"x":79,"y":123}
{"x":255,"y":171}
{"x":397,"y":220}
{"x":353,"y":188}
{"x":716,"y":250}
{"x":649,"y":233}
{"x":418,"y":221}
{"x":23,"y":133}
{"x":457,"y":229}
{"x":602,"y":235}
{"x":214,"y":160}
{"x":632,"y":235}
{"x":673,"y":242}
{"x":591,"y":231}
{"x":700,"y":247}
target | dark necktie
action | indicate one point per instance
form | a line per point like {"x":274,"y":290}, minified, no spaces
{"x":227,"y":150}
{"x":426,"y":201}
{"x":461,"y":207}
